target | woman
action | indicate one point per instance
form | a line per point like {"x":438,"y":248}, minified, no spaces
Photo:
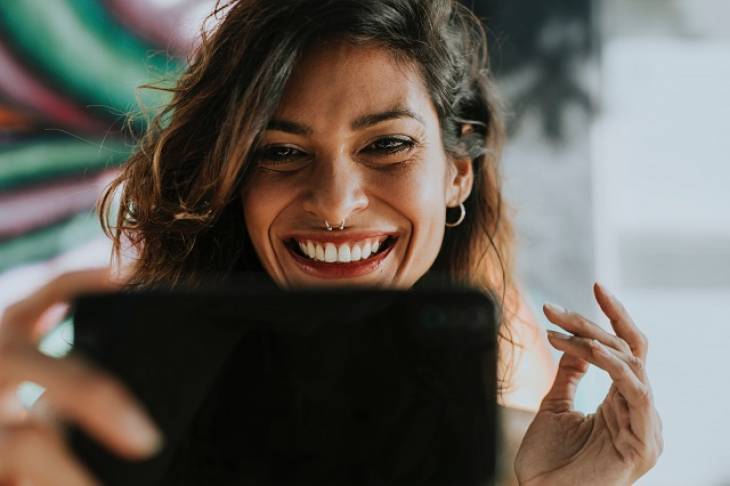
{"x":343,"y":142}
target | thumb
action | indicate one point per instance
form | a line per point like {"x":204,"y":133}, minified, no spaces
{"x":561,"y":395}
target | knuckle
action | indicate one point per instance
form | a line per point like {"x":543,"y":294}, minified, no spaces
{"x":575,"y":319}
{"x":636,"y":363}
{"x":622,"y":345}
{"x":621,"y":373}
{"x":644,"y":395}
{"x":594,"y":346}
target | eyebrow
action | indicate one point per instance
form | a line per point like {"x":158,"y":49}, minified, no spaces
{"x":394,"y":113}
{"x":364,"y":121}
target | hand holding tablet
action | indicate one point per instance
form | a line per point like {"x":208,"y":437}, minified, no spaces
{"x":32,"y":448}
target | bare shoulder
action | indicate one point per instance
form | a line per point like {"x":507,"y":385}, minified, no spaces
{"x":528,"y":366}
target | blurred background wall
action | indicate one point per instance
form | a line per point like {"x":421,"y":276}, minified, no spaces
{"x":69,"y":72}
{"x":661,"y":192}
{"x":616,"y":169}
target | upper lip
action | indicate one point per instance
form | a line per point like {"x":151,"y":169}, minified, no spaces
{"x":337,"y":236}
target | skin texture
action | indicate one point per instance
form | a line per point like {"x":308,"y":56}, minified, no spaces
{"x":335,"y":173}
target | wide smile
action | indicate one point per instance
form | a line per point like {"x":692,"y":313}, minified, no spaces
{"x":341,"y":256}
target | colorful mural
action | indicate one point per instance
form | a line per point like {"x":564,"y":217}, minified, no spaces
{"x":69,"y":73}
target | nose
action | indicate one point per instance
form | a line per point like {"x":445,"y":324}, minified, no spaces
{"x":335,"y":192}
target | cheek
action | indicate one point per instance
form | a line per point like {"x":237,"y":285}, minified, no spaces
{"x":261,"y":204}
{"x":420,"y":196}
{"x":427,"y":203}
{"x":420,"y":188}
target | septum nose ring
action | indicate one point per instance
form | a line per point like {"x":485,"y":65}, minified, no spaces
{"x":329,"y":227}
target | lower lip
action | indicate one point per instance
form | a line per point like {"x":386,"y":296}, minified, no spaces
{"x":340,"y":270}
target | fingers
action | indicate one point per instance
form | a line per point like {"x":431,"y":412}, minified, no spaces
{"x":88,"y":396}
{"x":577,"y":324}
{"x":621,"y":321}
{"x":628,"y":410}
{"x":561,"y":395}
{"x":76,"y":390}
{"x":37,"y":454}
{"x":22,"y":317}
{"x":607,"y":359}
{"x":636,"y":393}
{"x":584,"y":328}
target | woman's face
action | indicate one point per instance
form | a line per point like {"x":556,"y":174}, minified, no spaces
{"x":357,"y":139}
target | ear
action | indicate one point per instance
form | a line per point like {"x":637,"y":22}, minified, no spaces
{"x":460,"y":177}
{"x":461,"y":180}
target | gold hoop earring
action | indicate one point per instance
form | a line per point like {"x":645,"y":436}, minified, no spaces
{"x":462,"y":215}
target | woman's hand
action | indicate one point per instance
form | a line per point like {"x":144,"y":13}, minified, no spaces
{"x":32,"y":447}
{"x":623,"y":439}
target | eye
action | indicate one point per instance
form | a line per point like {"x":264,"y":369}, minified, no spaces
{"x":390,"y":145}
{"x":280,"y":158}
{"x":278,"y":153}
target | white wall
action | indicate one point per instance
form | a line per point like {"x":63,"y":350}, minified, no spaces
{"x":661,"y":179}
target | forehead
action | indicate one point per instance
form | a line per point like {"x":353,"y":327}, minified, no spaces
{"x":336,"y":82}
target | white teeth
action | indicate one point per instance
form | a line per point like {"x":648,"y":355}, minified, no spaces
{"x":355,"y":253}
{"x":330,"y":253}
{"x":366,"y":250}
{"x":343,"y":254}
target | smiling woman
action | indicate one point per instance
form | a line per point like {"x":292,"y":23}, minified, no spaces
{"x":367,"y":118}
{"x":378,"y":118}
{"x":336,"y":143}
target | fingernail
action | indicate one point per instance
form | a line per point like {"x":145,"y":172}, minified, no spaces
{"x":558,"y":335}
{"x":557,"y":309}
{"x":145,"y":435}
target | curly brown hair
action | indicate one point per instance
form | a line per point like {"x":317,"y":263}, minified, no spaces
{"x":179,"y":204}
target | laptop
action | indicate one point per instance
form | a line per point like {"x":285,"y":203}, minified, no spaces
{"x":253,"y":385}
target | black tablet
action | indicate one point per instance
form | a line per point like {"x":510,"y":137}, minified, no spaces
{"x":273,"y":387}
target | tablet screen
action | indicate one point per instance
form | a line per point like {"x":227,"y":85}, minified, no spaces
{"x":300,"y":387}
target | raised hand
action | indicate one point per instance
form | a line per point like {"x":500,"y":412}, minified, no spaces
{"x":622,"y":440}
{"x":32,"y":449}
